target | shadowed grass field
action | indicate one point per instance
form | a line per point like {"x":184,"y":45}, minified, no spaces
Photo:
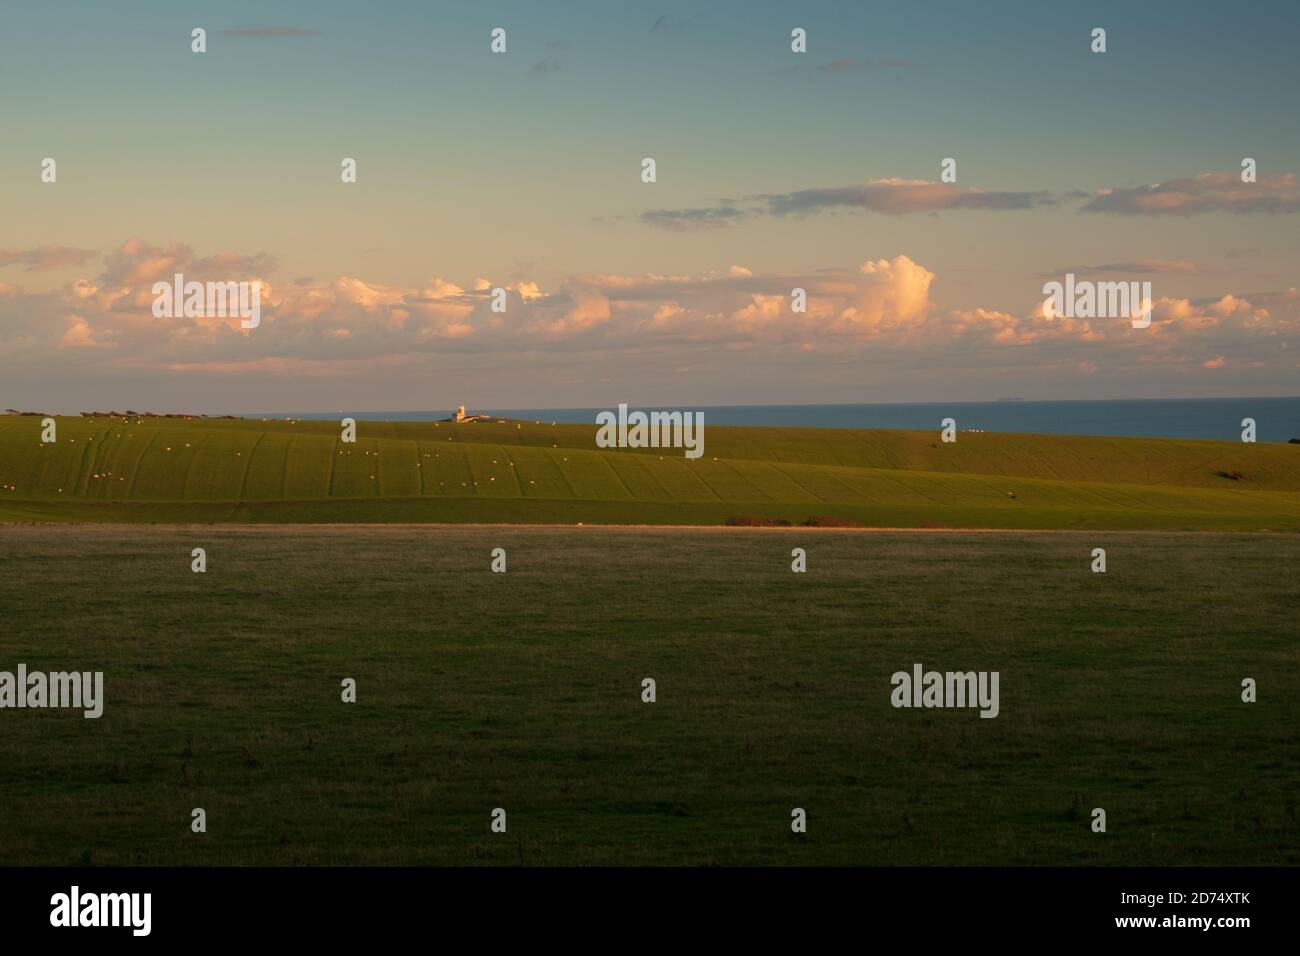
{"x":522,"y":690}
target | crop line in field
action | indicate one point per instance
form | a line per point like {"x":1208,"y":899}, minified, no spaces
{"x":651,"y":473}
{"x":189,"y":470}
{"x":514,"y":470}
{"x":93,"y":467}
{"x":913,"y":489}
{"x":667,"y":495}
{"x":563,"y":477}
{"x":804,"y":488}
{"x":248,"y":464}
{"x":694,"y":473}
{"x":335,"y":452}
{"x":135,"y":471}
{"x":284,"y":468}
{"x":607,"y":462}
{"x":730,"y":463}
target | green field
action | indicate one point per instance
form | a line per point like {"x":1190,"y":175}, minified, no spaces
{"x":236,"y":470}
{"x":521,"y":690}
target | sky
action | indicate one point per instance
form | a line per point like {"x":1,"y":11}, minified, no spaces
{"x":522,"y":170}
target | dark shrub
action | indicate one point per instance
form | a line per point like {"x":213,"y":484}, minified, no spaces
{"x":752,"y":521}
{"x":832,"y":521}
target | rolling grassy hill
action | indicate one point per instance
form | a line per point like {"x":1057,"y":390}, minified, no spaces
{"x":176,"y":470}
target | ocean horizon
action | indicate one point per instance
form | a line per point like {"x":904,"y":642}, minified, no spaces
{"x":1276,"y":419}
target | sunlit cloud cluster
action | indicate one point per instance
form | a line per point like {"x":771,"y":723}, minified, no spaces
{"x":883,"y":306}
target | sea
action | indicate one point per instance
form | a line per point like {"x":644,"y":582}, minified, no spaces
{"x":1276,"y":419}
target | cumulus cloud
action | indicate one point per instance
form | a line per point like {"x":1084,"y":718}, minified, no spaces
{"x":81,"y":336}
{"x":883,"y":308}
{"x":137,"y":262}
{"x":895,"y":295}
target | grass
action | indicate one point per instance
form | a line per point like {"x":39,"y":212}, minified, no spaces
{"x":219,"y":470}
{"x":479,"y":690}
